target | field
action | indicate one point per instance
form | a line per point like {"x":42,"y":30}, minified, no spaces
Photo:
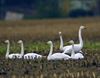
{"x":36,"y":33}
{"x":40,"y":29}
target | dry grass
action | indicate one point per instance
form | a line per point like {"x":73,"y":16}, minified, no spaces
{"x":48,"y":29}
{"x":41,"y":68}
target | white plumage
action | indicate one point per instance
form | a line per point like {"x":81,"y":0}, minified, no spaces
{"x":14,"y":55}
{"x":77,"y":47}
{"x":56,"y":56}
{"x":32,"y":56}
{"x":75,"y":55}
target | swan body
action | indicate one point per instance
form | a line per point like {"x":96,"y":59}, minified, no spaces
{"x":78,"y":56}
{"x":68,"y":49}
{"x":56,"y":56}
{"x":75,"y":55}
{"x":77,"y":47}
{"x":12,"y":56}
{"x":32,"y":56}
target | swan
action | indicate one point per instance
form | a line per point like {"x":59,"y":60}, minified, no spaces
{"x":73,"y":54}
{"x":12,"y":56}
{"x":77,"y":47}
{"x":56,"y":56}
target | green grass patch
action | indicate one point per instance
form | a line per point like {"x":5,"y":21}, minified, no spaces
{"x":43,"y":46}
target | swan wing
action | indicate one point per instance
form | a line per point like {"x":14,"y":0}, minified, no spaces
{"x":32,"y":56}
{"x":12,"y":56}
{"x":68,"y":49}
{"x":67,"y":57}
{"x":79,"y":56}
{"x":58,"y":56}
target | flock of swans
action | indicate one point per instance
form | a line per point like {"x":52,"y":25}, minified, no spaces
{"x":75,"y":50}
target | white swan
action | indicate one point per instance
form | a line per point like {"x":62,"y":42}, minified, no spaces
{"x":12,"y":56}
{"x":73,"y":54}
{"x":77,"y":47}
{"x":56,"y":56}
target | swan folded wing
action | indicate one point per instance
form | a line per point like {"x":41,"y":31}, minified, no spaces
{"x":37,"y":56}
{"x":79,"y":56}
{"x":12,"y":56}
{"x":28,"y":56}
{"x":67,"y":57}
{"x":32,"y":56}
{"x":68,"y":49}
{"x":57,"y":56}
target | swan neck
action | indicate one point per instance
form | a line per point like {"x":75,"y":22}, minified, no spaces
{"x":22,"y":49}
{"x":61,"y":42}
{"x":51,"y":49}
{"x":80,"y":37}
{"x":73,"y":52}
{"x":7,"y":52}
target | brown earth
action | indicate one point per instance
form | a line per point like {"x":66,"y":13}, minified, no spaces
{"x":47,"y":29}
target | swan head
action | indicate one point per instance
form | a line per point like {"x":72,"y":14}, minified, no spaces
{"x":49,"y":42}
{"x":59,"y":32}
{"x":6,"y":41}
{"x":20,"y":41}
{"x":82,"y":27}
{"x":71,"y":42}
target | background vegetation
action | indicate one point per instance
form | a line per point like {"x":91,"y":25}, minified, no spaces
{"x":32,"y":9}
{"x":35,"y":34}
